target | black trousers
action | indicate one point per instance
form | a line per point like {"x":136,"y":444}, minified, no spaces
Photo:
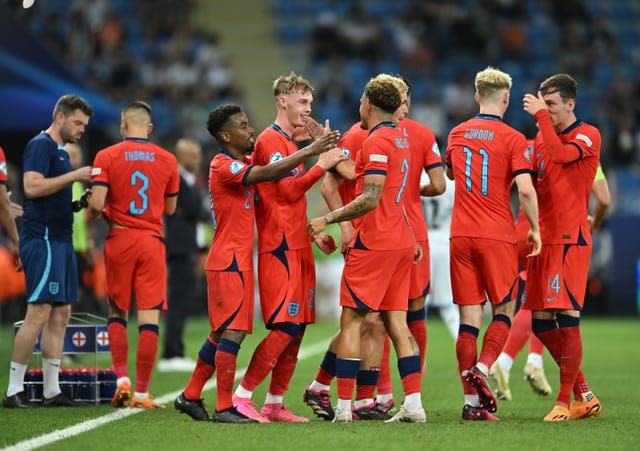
{"x":182,"y":288}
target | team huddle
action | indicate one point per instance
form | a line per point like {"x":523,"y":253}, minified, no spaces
{"x":371,"y":182}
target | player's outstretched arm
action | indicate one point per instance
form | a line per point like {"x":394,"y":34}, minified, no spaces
{"x":529,"y":202}
{"x":360,"y":206}
{"x":37,"y":185}
{"x":600,"y":190}
{"x":275,"y":170}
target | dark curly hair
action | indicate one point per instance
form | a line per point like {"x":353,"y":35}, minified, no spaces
{"x":384,"y":94}
{"x":219,"y":117}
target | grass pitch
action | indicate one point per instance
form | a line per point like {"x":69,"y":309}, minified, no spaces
{"x":611,"y":362}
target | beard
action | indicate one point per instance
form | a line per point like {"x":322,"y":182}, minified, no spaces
{"x":249,"y":149}
{"x":67,"y":138}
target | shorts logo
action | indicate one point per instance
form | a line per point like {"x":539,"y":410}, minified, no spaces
{"x":236,"y":167}
{"x":54,"y":287}
{"x":435,"y":149}
{"x":276,"y":156}
{"x":293,"y":308}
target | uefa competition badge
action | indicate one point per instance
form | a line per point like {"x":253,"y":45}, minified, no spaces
{"x":276,"y":156}
{"x":235,"y":167}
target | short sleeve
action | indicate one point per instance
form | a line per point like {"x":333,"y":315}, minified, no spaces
{"x":37,"y":157}
{"x":520,"y":155}
{"x":432,"y":157}
{"x":174,"y":182}
{"x":100,"y":169}
{"x":374,"y":158}
{"x":233,"y":171}
{"x":587,"y":141}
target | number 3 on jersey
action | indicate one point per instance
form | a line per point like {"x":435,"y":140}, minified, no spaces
{"x":139,"y":206}
{"x":484,"y":188}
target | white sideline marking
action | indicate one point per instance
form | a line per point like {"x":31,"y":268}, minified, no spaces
{"x":84,"y":426}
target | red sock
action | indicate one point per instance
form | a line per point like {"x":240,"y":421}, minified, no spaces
{"x":366,"y":382}
{"x":552,"y":338}
{"x":581,"y":386}
{"x":494,"y":339}
{"x":466,"y":349}
{"x":385,"y":386}
{"x":519,"y":333}
{"x":205,"y":367}
{"x":535,"y":345}
{"x":418,"y":327}
{"x":146,"y":355}
{"x":226,"y":357}
{"x":409,"y":368}
{"x":264,"y":358}
{"x":118,"y":344}
{"x":572,"y":356}
{"x":346,"y":372}
{"x":283,"y":371}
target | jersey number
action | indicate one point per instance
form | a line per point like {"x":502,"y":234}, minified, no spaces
{"x":405,"y":170}
{"x":139,"y":206}
{"x":484,"y":188}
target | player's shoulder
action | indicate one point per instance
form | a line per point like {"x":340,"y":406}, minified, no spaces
{"x":2,"y":156}
{"x":586,"y":130}
{"x":164,"y":154}
{"x":414,"y":125}
{"x":42,"y":141}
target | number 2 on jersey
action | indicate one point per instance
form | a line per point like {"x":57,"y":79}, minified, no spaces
{"x":139,"y":206}
{"x":484,"y":188}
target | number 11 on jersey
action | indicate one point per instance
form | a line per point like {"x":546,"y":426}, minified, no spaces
{"x":484,"y":186}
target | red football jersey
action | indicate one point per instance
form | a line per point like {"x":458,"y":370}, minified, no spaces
{"x":281,"y":207}
{"x":351,"y":143}
{"x":425,"y":153}
{"x":139,"y":175}
{"x":485,"y":155}
{"x":232,"y":203}
{"x":386,"y":152}
{"x":564,"y":189}
{"x":3,"y":167}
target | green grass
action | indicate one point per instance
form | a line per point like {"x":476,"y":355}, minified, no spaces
{"x":611,"y":363}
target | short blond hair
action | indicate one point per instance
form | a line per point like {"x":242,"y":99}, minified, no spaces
{"x":398,"y":82}
{"x":289,"y":84}
{"x":491,"y":81}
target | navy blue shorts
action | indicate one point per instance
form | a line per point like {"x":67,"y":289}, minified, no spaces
{"x":50,"y":270}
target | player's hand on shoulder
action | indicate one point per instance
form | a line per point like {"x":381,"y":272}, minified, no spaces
{"x":532,"y":104}
{"x":83,"y":174}
{"x":325,"y":243}
{"x":535,"y":243}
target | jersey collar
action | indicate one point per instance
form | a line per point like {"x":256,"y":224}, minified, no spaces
{"x":277,"y":128}
{"x":489,"y":117}
{"x":138,"y":140}
{"x":571,"y":127}
{"x":230,"y":155}
{"x":382,"y":124}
